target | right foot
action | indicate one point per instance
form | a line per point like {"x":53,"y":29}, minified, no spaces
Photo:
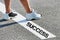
{"x":33,"y":16}
{"x":7,"y":15}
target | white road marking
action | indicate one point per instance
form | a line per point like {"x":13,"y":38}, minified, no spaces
{"x":22,"y":21}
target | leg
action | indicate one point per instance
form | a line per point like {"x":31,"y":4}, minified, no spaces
{"x":8,"y":10}
{"x":31,"y":13}
{"x":8,"y":6}
{"x":26,"y":5}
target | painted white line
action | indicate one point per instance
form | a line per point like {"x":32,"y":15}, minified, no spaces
{"x":29,"y":25}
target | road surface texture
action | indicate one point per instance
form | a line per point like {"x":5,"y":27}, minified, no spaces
{"x":50,"y":10}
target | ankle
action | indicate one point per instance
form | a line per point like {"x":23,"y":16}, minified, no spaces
{"x":8,"y":12}
{"x":29,"y":12}
{"x":32,"y":11}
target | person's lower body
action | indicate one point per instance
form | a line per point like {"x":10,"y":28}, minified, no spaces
{"x":8,"y":12}
{"x":31,"y":14}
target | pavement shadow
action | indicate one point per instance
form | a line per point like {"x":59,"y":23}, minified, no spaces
{"x":8,"y":24}
{"x":2,"y":20}
{"x":12,"y":23}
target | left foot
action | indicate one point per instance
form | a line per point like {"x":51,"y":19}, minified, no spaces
{"x":7,"y":16}
{"x":12,"y":14}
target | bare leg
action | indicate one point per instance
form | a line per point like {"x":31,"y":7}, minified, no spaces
{"x":8,"y":6}
{"x":26,"y":5}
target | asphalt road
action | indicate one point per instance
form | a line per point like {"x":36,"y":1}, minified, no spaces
{"x":50,"y":10}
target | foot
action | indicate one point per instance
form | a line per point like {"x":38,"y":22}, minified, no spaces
{"x":12,"y":14}
{"x":7,"y":15}
{"x":32,"y":16}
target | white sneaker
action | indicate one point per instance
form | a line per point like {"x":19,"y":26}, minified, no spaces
{"x":5,"y":17}
{"x":32,"y":16}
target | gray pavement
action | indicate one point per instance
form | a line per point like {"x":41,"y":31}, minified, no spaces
{"x":50,"y":10}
